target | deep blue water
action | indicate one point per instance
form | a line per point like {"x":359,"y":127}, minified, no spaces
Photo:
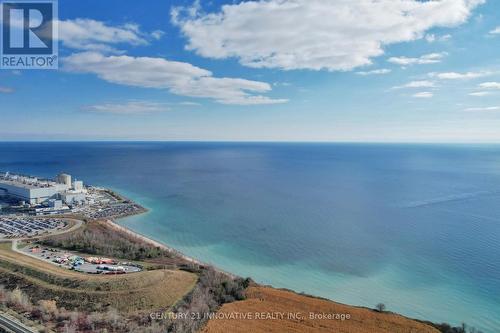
{"x":416,"y":227}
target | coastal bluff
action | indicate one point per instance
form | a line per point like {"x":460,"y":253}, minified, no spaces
{"x":270,"y":304}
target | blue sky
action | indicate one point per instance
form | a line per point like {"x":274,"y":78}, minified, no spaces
{"x":298,"y":70}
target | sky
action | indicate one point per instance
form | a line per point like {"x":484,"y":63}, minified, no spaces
{"x":273,"y":70}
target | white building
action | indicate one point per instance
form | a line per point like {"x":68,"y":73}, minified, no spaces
{"x":64,"y":179}
{"x":78,"y":186}
{"x":73,"y":197}
{"x":33,"y":190}
{"x":32,"y":193}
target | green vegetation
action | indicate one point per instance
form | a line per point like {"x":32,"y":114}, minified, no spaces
{"x":143,"y":291}
{"x":446,"y":328}
{"x":98,"y":239}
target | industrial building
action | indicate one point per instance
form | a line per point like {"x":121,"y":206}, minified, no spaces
{"x":64,"y":179}
{"x":34,"y":191}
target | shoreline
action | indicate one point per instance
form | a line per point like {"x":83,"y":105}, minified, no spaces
{"x":112,"y":221}
{"x":114,"y":224}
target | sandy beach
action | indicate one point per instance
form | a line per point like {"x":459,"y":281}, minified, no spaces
{"x":145,"y":239}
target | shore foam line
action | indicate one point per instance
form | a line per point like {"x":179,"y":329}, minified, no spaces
{"x":150,"y":241}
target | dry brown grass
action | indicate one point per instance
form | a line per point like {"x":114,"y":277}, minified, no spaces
{"x":141,"y":291}
{"x":265,"y":299}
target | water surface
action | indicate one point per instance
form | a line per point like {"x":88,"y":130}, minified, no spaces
{"x":416,"y":227}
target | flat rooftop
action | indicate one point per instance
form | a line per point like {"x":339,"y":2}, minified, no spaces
{"x":25,"y":185}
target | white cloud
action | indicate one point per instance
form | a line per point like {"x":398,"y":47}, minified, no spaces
{"x":431,"y":58}
{"x":487,"y":108}
{"x":157,"y":34}
{"x":480,"y":93}
{"x":495,"y":31}
{"x":131,"y":107}
{"x":490,"y":85}
{"x":92,"y":35}
{"x":487,"y":87}
{"x":189,"y":104}
{"x":314,"y":34}
{"x":6,"y":90}
{"x":431,"y":38}
{"x":282,"y":84}
{"x":177,"y":77}
{"x":417,"y":84}
{"x":459,"y":76}
{"x":424,"y":94}
{"x":375,"y":72}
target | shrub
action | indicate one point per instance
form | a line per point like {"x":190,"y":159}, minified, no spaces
{"x":97,"y":238}
{"x":214,"y":288}
{"x":19,"y":300}
{"x":48,"y":307}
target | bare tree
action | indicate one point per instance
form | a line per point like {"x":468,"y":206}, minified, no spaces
{"x":380,"y":307}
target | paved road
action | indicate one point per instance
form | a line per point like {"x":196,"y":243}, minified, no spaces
{"x":10,"y":324}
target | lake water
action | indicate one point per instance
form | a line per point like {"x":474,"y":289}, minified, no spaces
{"x":416,"y":227}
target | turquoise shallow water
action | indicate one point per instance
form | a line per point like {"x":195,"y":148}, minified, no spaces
{"x":415,"y":227}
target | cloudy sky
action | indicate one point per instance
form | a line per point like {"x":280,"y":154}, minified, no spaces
{"x":274,"y":70}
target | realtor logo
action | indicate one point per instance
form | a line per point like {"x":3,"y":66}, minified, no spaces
{"x":29,"y":34}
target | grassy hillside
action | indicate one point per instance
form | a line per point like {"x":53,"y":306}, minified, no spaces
{"x":269,"y":300}
{"x":120,"y":303}
{"x":142,"y":291}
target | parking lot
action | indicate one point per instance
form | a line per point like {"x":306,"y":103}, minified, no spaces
{"x":28,"y":226}
{"x":84,"y":264}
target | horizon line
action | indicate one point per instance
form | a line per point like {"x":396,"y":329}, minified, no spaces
{"x":258,"y":141}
